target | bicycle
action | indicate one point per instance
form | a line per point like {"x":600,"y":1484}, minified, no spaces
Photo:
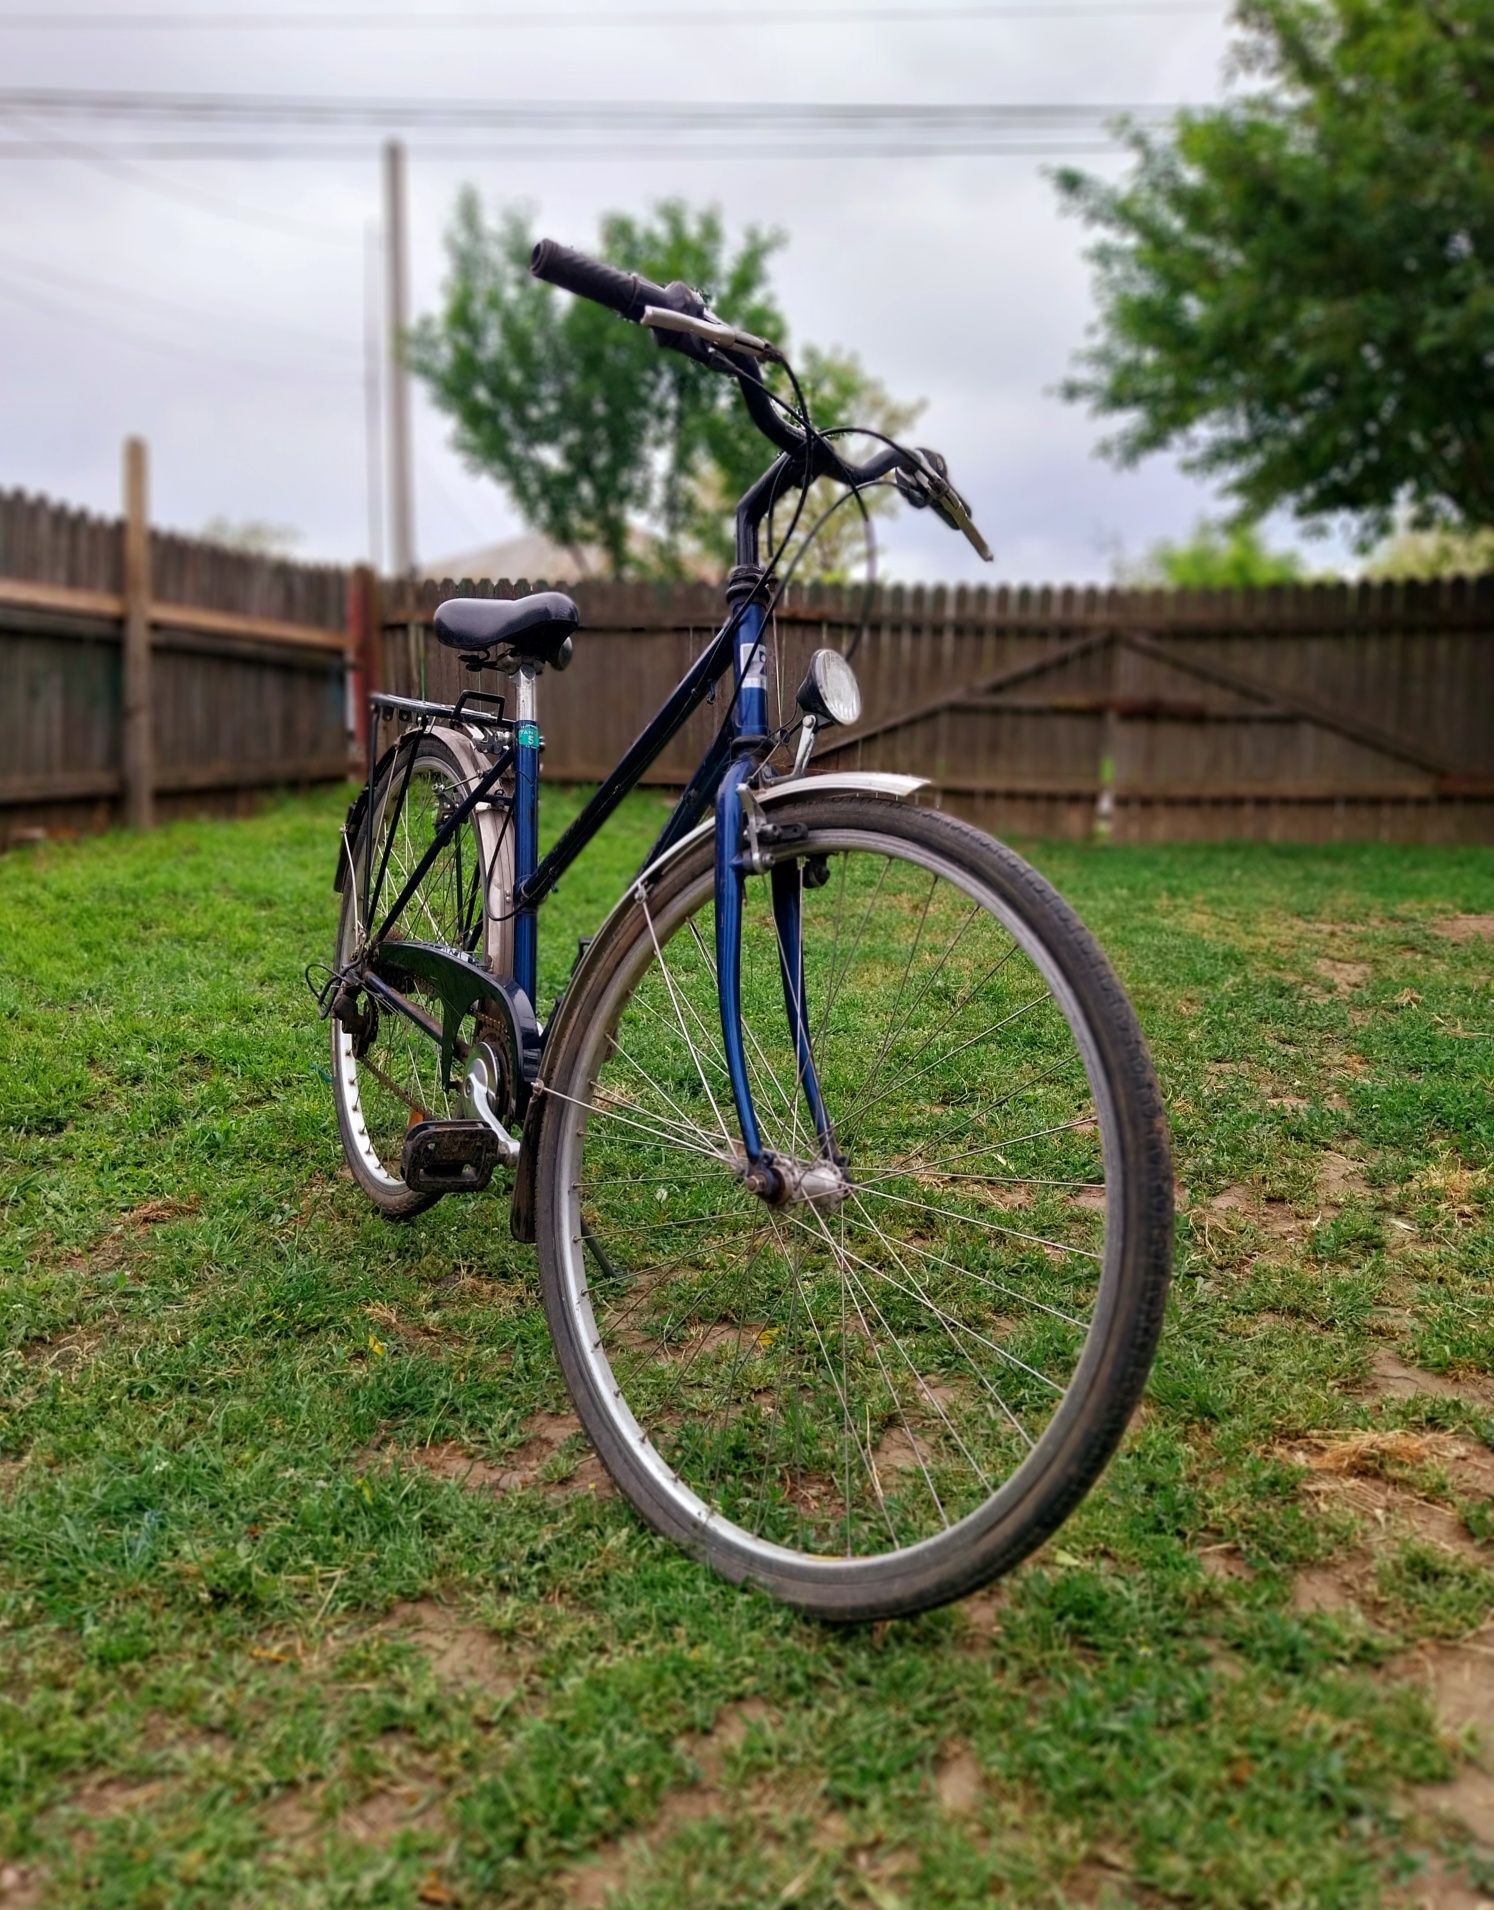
{"x":841,"y":1147}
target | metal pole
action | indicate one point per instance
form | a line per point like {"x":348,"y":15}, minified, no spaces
{"x":396,"y":321}
{"x":373,"y":402}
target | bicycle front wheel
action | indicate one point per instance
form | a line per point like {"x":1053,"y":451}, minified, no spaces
{"x":874,"y":1399}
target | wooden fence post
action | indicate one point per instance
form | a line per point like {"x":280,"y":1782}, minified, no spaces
{"x":364,"y":618}
{"x":137,"y":743}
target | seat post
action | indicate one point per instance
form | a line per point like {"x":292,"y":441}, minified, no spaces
{"x":526,"y":823}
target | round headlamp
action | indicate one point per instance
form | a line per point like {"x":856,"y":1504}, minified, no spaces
{"x":830,"y":692}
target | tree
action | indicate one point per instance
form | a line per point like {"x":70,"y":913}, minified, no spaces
{"x":1231,"y":556}
{"x":1435,"y":553}
{"x":1296,"y":289}
{"x":254,"y":536}
{"x":597,"y":435}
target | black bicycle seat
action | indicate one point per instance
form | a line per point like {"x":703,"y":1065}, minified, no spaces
{"x":537,"y":628}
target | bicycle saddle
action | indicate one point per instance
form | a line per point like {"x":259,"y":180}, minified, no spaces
{"x":537,"y":628}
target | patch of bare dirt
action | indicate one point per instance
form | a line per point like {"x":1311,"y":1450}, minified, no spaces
{"x":900,"y":1449}
{"x":383,"y":1814}
{"x":1465,"y":928}
{"x":20,"y":1888}
{"x":959,"y":1782}
{"x":105,"y":1253}
{"x":1105,"y":1881}
{"x":460,"y":1651}
{"x":740,"y":1341}
{"x":545,"y":1434}
{"x":1345,"y":1475}
{"x":1438,"y":1888}
{"x":105,"y":1797}
{"x":447,"y":1460}
{"x":290,"y":1818}
{"x":412,"y":1802}
{"x":1224,"y":1562}
{"x":64,"y":1354}
{"x":1339,"y":1179}
{"x":1273,"y":1217}
{"x":1391,"y":1378}
{"x":517,"y":1471}
{"x":1468,"y":1800}
{"x":1330,"y":1588}
{"x":589,"y":1884}
{"x":1344,"y":977}
{"x":982,"y":1610}
{"x":1459,"y":1680}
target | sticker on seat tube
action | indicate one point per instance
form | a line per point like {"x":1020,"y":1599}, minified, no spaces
{"x":753,"y":664}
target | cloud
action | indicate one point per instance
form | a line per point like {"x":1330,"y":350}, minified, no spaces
{"x":236,"y":347}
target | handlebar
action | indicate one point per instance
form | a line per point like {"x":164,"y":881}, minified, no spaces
{"x":622,"y":292}
{"x":630,"y":295}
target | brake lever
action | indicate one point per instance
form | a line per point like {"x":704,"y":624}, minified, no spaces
{"x":660,"y":318}
{"x":928,"y":486}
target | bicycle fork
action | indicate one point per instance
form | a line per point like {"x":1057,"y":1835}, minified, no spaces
{"x":743,"y":840}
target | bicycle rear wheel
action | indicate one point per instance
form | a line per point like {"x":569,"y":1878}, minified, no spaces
{"x":871,"y":1402}
{"x":386,"y":1074}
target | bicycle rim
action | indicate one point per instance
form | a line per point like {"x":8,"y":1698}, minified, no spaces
{"x":386,"y":1084}
{"x":863,"y":1388}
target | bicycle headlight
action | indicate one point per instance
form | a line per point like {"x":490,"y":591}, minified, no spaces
{"x":830,"y":692}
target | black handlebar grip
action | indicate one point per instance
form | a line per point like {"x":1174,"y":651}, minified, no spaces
{"x":623,"y":292}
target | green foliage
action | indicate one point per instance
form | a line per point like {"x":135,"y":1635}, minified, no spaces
{"x":1435,"y":553}
{"x":1296,"y":288}
{"x":598,"y":436}
{"x":1215,"y":557}
{"x":255,"y":536}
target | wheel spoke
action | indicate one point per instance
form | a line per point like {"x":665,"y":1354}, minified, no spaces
{"x":861,"y":1369}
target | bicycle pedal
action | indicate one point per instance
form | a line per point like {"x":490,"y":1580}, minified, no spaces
{"x":449,"y":1157}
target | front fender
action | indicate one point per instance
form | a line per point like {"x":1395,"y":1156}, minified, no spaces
{"x":868,"y":782}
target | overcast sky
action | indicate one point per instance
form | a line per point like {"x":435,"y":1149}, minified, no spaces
{"x":216,"y":306}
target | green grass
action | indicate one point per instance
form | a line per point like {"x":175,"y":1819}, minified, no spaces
{"x":233,"y":1628}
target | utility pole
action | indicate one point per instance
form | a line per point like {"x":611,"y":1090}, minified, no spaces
{"x":373,"y":403}
{"x":396,"y":320}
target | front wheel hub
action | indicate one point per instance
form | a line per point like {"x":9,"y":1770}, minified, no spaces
{"x":781,"y":1181}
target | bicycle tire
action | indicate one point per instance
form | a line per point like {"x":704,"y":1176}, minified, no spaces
{"x":1064,"y":1460}
{"x":369,"y":1141}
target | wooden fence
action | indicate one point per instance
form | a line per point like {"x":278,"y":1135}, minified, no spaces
{"x":1302,"y":713}
{"x":143,"y":671}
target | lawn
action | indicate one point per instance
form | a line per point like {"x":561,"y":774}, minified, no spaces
{"x":309,"y":1594}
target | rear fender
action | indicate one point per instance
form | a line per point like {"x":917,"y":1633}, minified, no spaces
{"x":489,"y":820}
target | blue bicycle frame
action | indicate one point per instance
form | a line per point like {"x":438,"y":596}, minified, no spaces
{"x":734,"y":758}
{"x":723,"y":779}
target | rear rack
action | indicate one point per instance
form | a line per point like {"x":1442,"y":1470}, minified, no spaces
{"x":413,"y":708}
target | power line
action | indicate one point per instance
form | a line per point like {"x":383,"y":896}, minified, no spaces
{"x":568,"y":116}
{"x":593,"y":18}
{"x":32,"y":143}
{"x":195,"y":316}
{"x":465,"y":153}
{"x":108,"y":325}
